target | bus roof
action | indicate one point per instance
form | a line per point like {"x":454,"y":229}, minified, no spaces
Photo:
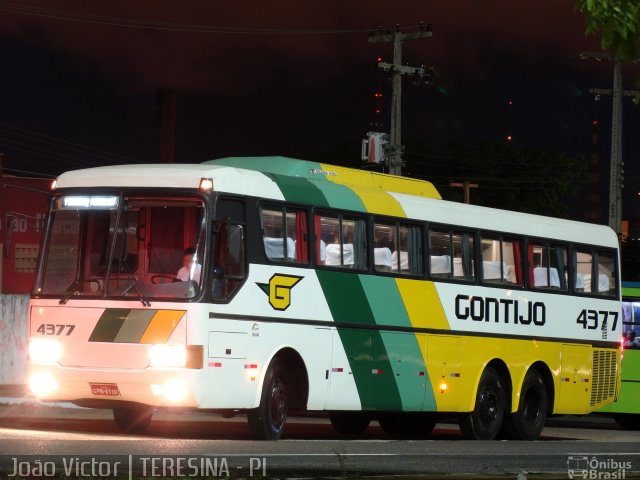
{"x":323,"y":185}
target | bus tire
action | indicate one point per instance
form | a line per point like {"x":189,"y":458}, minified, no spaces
{"x":267,"y":421}
{"x":350,"y":423}
{"x":133,"y":418}
{"x":628,"y":421}
{"x":484,"y":422}
{"x":528,"y":421}
{"x":412,"y":424}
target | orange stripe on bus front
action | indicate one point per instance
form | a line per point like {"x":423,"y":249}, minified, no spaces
{"x":162,"y":326}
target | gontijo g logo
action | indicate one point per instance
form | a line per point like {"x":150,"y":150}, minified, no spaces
{"x":279,"y":290}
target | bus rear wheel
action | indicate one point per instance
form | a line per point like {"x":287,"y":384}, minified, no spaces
{"x":628,"y":421}
{"x":484,"y":422}
{"x":413,"y":424}
{"x":133,"y":418}
{"x":527,"y":423}
{"x":350,"y":423}
{"x":267,"y":421}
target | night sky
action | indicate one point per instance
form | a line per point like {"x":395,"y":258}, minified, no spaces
{"x":293,"y":78}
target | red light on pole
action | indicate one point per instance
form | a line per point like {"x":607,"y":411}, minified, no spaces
{"x":510,"y":102}
{"x":509,"y":138}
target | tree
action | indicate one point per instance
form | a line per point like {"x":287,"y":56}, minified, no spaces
{"x":618,"y":23}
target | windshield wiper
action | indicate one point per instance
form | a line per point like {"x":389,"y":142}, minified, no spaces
{"x":70,"y":291}
{"x":134,"y":285}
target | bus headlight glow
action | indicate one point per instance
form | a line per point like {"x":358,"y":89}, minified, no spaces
{"x":172,"y":390}
{"x":44,"y":350}
{"x":42,"y":384}
{"x":168,"y":356}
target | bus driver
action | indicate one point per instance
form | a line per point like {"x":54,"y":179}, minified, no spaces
{"x":184,"y":274}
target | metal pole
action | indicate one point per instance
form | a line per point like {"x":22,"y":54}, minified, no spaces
{"x":615,"y":173}
{"x":395,"y":167}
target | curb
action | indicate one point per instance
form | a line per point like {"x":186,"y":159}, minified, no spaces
{"x":32,"y":402}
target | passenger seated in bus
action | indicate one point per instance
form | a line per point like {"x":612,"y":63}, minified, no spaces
{"x":184,"y":274}
{"x":630,"y":340}
{"x":333,"y":251}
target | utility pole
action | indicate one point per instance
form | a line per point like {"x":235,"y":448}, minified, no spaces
{"x":616,"y":168}
{"x":397,"y":37}
{"x":466,"y":186}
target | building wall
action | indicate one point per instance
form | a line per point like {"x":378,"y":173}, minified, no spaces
{"x":23,"y":205}
{"x":13,"y":339}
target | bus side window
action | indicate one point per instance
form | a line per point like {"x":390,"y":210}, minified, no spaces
{"x":501,"y":260}
{"x":343,"y":240}
{"x":463,"y":256}
{"x":583,"y":268}
{"x":440,"y":253}
{"x":606,"y":281}
{"x":398,"y":249}
{"x":285,"y":234}
{"x":548,"y":268}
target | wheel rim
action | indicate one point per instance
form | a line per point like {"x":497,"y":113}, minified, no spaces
{"x":531,"y":407}
{"x":489,"y":405}
{"x":278,"y":404}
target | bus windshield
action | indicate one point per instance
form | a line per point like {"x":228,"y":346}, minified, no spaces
{"x":131,"y":246}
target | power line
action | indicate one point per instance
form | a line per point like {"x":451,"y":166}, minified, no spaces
{"x":63,"y":143}
{"x":67,"y":15}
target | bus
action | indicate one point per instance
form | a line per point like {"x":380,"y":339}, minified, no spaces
{"x":626,"y":411}
{"x":267,"y":286}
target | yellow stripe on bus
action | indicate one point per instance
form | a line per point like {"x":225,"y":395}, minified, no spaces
{"x":374,"y":198}
{"x":162,"y":326}
{"x":423,"y":304}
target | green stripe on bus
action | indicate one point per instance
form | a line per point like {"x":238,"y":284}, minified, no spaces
{"x":299,"y":190}
{"x":339,"y":196}
{"x":109,"y":325}
{"x":368,"y":358}
{"x":405,"y":356}
{"x":135,"y":325}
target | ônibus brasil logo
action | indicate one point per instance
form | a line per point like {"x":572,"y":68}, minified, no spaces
{"x":279,"y":290}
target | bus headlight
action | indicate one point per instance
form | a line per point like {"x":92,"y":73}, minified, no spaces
{"x":44,"y":350}
{"x":168,"y":356}
{"x":42,"y":384}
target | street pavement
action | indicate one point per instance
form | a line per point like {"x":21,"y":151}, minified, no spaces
{"x":310,"y":446}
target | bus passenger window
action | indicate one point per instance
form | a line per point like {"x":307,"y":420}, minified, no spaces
{"x":606,"y":274}
{"x":345,"y":241}
{"x":463,"y":256}
{"x":548,"y":266}
{"x":285,"y":234}
{"x":385,"y":242}
{"x":411,"y":249}
{"x":583,"y":268}
{"x":440,"y":253}
{"x":398,"y":249}
{"x":501,"y":260}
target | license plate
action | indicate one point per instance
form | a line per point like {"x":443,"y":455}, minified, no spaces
{"x":105,"y":389}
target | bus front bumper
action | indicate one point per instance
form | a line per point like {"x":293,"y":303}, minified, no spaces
{"x":150,"y":386}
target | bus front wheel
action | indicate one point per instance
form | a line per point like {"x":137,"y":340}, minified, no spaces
{"x":484,"y":422}
{"x":350,"y":423}
{"x":527,"y":423}
{"x":267,"y":421}
{"x":133,"y":418}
